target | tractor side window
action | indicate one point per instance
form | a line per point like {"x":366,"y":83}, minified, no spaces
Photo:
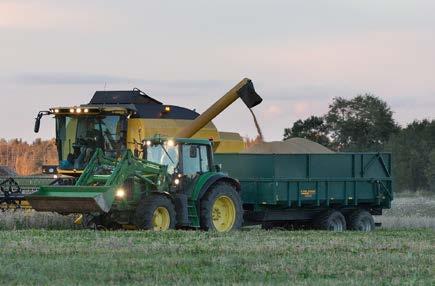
{"x":205,"y":166}
{"x":191,"y":163}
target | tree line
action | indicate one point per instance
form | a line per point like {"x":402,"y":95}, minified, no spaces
{"x":25,"y":158}
{"x":366,"y":123}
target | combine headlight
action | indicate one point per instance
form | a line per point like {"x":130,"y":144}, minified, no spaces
{"x":148,"y":143}
{"x":120,"y":193}
{"x":71,"y":110}
{"x":171,"y":143}
{"x":56,"y":110}
{"x":86,"y":110}
{"x":78,"y":110}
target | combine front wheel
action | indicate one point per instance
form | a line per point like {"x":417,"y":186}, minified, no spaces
{"x":155,"y":212}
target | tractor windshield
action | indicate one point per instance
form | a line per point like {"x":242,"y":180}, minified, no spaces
{"x":79,"y":136}
{"x":163,"y":155}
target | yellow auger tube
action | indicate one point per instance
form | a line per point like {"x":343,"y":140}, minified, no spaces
{"x":244,"y":90}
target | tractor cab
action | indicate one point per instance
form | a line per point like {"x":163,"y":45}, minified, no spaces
{"x":185,"y":158}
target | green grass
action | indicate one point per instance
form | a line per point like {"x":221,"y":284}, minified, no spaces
{"x":245,"y":257}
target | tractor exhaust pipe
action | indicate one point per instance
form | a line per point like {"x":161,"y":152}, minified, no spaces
{"x":244,"y":89}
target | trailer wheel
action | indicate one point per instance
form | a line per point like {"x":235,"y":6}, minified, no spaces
{"x":221,"y":209}
{"x":361,"y":220}
{"x":155,"y":212}
{"x":331,"y":220}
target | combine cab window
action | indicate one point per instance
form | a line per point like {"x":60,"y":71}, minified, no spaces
{"x":79,"y":136}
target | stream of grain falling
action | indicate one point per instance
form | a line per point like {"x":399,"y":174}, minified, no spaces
{"x":260,"y":133}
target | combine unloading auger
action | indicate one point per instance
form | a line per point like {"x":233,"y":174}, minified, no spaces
{"x":244,"y":90}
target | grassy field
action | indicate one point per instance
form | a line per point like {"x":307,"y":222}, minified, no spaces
{"x":246,"y":257}
{"x":44,"y":248}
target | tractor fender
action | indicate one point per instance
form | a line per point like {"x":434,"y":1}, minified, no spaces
{"x":217,"y":178}
{"x":165,"y":194}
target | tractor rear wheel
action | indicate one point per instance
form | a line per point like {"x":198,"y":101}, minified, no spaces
{"x":221,"y":209}
{"x":361,"y":220}
{"x":155,"y":212}
{"x":331,"y":220}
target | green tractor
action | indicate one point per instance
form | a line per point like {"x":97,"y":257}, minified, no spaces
{"x":175,"y":186}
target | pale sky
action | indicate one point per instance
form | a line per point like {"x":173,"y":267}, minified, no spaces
{"x":299,"y":54}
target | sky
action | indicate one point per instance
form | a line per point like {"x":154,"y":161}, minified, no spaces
{"x":299,"y":54}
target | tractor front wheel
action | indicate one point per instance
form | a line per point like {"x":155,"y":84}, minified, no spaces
{"x":155,"y":212}
{"x":221,"y":209}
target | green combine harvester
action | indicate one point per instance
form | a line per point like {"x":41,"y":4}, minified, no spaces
{"x":181,"y":181}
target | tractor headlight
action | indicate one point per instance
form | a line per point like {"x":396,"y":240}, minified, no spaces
{"x":120,"y":193}
{"x":171,"y":143}
{"x":177,"y":181}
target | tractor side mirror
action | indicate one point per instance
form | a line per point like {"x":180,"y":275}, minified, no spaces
{"x":193,"y":152}
{"x":218,"y":167}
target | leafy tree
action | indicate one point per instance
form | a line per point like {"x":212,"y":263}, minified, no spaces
{"x":414,"y":156}
{"x":364,"y":122}
{"x":312,"y":128}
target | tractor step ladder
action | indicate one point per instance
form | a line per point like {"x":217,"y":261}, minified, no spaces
{"x":193,"y":214}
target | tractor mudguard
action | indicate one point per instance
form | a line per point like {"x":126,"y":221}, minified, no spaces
{"x":207,"y":180}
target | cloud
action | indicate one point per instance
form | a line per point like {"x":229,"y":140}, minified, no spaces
{"x":68,"y":78}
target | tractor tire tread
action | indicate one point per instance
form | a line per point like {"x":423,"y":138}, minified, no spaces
{"x":145,"y":211}
{"x":206,"y":205}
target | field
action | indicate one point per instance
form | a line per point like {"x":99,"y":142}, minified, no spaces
{"x":402,"y":252}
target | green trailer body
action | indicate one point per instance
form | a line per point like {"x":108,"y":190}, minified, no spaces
{"x":298,"y":186}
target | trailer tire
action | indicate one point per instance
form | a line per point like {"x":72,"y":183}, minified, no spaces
{"x":221,"y":209}
{"x":155,"y":212}
{"x":361,"y":220}
{"x":331,"y":220}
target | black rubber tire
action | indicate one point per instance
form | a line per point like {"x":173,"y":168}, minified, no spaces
{"x":331,"y":220}
{"x":143,"y":216}
{"x":361,"y":220}
{"x":207,"y":201}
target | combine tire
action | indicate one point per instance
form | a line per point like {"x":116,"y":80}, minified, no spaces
{"x":155,"y":212}
{"x":331,"y":220}
{"x":361,"y":220}
{"x":221,"y":209}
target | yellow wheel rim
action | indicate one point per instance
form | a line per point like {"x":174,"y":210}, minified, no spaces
{"x":161,"y":219}
{"x":223,"y":213}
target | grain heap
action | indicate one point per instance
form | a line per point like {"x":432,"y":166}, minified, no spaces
{"x":289,"y":146}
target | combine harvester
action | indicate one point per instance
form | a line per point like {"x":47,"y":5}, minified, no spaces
{"x":129,"y":175}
